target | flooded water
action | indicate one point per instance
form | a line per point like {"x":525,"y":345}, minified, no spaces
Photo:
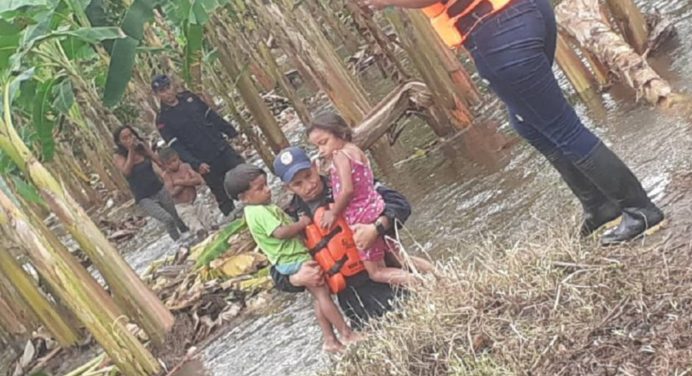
{"x":466,"y":189}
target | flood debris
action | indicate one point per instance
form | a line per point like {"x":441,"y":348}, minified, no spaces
{"x":205,"y":288}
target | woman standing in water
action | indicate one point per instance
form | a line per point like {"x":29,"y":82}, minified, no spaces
{"x":136,"y":161}
{"x":512,"y":43}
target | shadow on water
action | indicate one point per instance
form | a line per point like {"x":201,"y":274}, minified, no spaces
{"x":477,"y":184}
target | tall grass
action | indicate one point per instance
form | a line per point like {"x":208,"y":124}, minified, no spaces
{"x":548,"y":306}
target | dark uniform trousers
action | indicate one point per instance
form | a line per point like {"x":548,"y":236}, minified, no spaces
{"x":224,"y":162}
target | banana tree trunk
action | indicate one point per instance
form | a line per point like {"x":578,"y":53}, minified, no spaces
{"x":71,"y":170}
{"x":223,"y":89}
{"x":365,"y":19}
{"x":136,"y":299}
{"x":583,"y":20}
{"x":300,"y":36}
{"x":75,"y":286}
{"x":286,"y":88}
{"x":223,"y":40}
{"x":343,"y":33}
{"x":410,"y":27}
{"x":45,"y":311}
{"x":16,"y":317}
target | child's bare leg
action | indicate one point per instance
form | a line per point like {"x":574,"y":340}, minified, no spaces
{"x":422,"y":265}
{"x":379,"y":272}
{"x":331,"y":343}
{"x":332,"y":314}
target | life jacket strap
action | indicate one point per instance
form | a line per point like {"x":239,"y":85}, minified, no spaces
{"x":325,"y":240}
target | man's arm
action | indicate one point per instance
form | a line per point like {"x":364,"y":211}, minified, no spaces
{"x":215,"y":119}
{"x":396,"y":211}
{"x":309,"y":275}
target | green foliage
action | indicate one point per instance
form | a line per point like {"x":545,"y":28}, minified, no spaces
{"x":194,"y":35}
{"x":26,"y":190}
{"x":219,"y":245}
{"x":42,"y":118}
{"x":125,"y":50}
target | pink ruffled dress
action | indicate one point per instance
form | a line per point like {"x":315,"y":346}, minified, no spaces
{"x":365,"y":206}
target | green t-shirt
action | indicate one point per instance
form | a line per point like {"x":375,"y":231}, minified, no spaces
{"x":262,"y":220}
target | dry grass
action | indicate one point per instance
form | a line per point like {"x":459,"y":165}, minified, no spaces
{"x":544,"y":307}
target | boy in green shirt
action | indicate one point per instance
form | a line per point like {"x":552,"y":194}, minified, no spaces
{"x":279,"y":238}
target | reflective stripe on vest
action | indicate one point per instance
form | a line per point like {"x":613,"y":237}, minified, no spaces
{"x":447,"y":16}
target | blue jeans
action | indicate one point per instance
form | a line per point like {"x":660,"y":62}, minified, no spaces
{"x":514,"y":51}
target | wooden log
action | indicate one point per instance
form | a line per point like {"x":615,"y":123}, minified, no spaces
{"x":44,"y":310}
{"x":631,"y":22}
{"x":463,"y":86}
{"x":571,"y":64}
{"x":135,"y":298}
{"x":582,"y":20}
{"x":407,"y":96}
{"x":75,"y":286}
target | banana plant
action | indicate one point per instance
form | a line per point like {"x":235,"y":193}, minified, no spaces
{"x":188,"y":16}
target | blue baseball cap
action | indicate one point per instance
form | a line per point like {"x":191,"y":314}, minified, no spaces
{"x":289,"y":162}
{"x":160,"y":82}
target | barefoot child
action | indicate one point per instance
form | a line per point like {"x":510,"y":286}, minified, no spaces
{"x":181,"y":181}
{"x":278,"y":237}
{"x":355,"y":196}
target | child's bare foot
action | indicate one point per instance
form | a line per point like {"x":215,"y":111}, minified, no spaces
{"x":332,"y":346}
{"x":351,"y":338}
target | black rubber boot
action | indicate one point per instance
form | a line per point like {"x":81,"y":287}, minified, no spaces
{"x":615,"y":179}
{"x":598,"y":208}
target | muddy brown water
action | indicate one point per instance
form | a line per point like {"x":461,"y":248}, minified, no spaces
{"x":465,"y":189}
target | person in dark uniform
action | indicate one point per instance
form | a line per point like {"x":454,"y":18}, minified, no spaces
{"x":196,"y":133}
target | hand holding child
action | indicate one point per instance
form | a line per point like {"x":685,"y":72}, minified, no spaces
{"x":328,"y":219}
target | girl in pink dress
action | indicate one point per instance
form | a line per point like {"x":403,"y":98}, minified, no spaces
{"x":354,"y":191}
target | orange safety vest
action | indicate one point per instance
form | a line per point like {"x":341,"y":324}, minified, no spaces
{"x":445,"y":15}
{"x":334,"y":250}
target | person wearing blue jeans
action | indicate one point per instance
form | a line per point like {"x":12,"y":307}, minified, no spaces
{"x":512,"y":43}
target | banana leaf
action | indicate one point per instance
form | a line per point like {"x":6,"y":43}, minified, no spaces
{"x":218,"y":244}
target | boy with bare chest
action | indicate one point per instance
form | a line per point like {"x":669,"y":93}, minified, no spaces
{"x":181,"y":181}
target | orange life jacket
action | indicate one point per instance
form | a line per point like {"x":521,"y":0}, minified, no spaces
{"x":334,"y":250}
{"x":447,"y":14}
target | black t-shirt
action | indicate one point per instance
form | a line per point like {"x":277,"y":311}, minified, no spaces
{"x":143,"y":181}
